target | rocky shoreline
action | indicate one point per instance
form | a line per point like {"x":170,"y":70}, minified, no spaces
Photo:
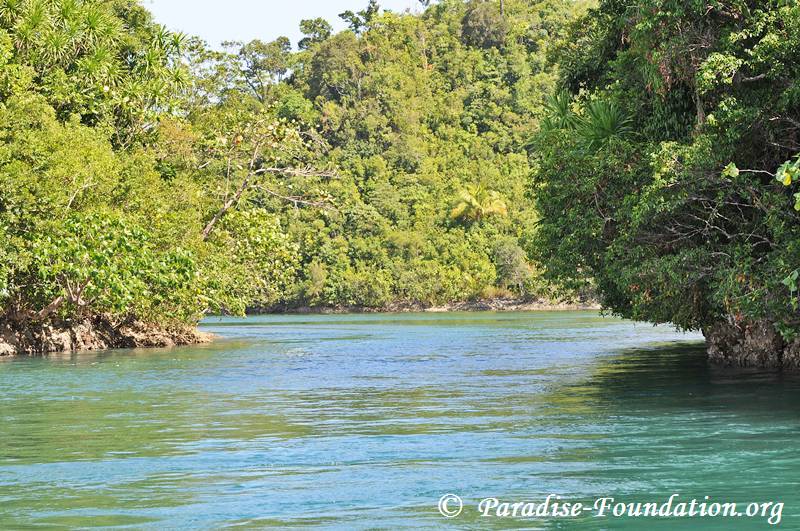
{"x":755,"y":344}
{"x":96,"y":333}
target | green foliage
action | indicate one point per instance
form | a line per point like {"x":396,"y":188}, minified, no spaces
{"x":79,"y":244}
{"x":103,"y":61}
{"x":145,"y":176}
{"x":559,"y":112}
{"x":511,"y":262}
{"x":596,"y":123}
{"x":360,"y":21}
{"x":602,"y":122}
{"x":476,"y":203}
{"x":484,"y":25}
{"x":315,"y":30}
{"x":98,"y":216}
{"x":683,"y":210}
{"x":98,"y":262}
{"x":423,"y":128}
{"x":260,"y":265}
{"x":259,"y":65}
{"x":788,"y":173}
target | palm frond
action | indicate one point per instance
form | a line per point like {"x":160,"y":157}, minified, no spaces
{"x":10,"y":11}
{"x":475,"y":202}
{"x":603,"y":121}
{"x":559,"y":112}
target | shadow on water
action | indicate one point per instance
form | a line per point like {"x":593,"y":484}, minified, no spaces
{"x":644,"y":424}
{"x":674,"y":423}
{"x":681,"y":378}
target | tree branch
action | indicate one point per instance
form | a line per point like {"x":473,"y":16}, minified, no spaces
{"x":297,"y":172}
{"x":293,"y":199}
{"x":51,"y":308}
{"x":247,"y":183}
{"x":753,"y":79}
{"x":230,"y":203}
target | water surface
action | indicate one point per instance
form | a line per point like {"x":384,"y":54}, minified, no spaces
{"x":365,"y":421}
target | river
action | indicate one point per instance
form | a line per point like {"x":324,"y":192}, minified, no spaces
{"x":365,"y":421}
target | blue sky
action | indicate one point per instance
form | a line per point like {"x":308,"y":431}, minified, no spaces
{"x":244,"y":20}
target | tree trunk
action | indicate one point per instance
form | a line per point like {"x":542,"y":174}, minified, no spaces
{"x":51,"y":308}
{"x":701,"y":113}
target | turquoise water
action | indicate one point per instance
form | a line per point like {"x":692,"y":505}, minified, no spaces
{"x":365,"y":421}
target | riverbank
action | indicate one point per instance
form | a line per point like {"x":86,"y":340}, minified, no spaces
{"x":756,"y":345}
{"x":101,"y":333}
{"x":96,"y":333}
{"x":488,"y":305}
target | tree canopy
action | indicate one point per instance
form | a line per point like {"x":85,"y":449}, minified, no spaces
{"x":667,"y":169}
{"x":95,"y":217}
{"x":144,"y":175}
{"x":647,"y":151}
{"x":403,"y":118}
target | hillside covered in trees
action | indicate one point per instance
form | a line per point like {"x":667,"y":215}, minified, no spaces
{"x":145,"y":177}
{"x":410,"y":131}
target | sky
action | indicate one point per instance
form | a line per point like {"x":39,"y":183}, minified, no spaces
{"x":243,"y":20}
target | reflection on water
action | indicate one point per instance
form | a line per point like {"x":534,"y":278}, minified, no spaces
{"x":364,"y":421}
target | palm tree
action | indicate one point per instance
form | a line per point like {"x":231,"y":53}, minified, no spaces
{"x":602,"y":121}
{"x":476,"y":202}
{"x":559,"y":112}
{"x":599,"y":122}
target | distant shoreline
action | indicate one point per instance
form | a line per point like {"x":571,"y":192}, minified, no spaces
{"x":490,"y":305}
{"x":99,"y":333}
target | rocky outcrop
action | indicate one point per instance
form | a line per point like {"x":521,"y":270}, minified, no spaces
{"x":96,"y":333}
{"x":755,"y":344}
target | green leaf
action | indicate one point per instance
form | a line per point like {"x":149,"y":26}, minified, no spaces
{"x":730,"y":170}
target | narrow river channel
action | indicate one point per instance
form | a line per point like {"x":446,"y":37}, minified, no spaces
{"x":365,"y":421}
